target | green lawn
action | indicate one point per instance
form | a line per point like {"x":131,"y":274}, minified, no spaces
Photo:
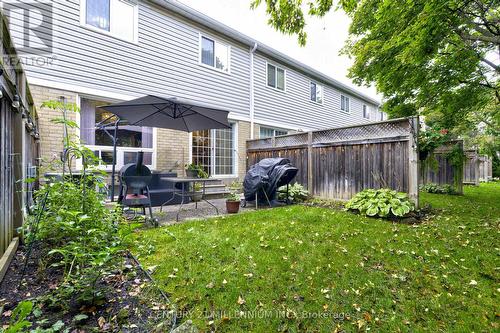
{"x":309,"y":269}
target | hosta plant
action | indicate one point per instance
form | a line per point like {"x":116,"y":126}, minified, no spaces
{"x":438,"y":189}
{"x":296,"y":193}
{"x":382,"y":203}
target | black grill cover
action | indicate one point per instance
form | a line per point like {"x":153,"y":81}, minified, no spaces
{"x":269,"y":174}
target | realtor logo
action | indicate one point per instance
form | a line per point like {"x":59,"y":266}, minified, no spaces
{"x":30,"y":25}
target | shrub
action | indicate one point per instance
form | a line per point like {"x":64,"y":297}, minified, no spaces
{"x":439,"y":189}
{"x":296,"y":193}
{"x":382,"y":203}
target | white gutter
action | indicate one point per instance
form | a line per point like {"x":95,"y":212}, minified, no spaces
{"x":252,"y":97}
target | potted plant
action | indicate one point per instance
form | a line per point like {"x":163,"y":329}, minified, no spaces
{"x":197,"y":194}
{"x":233,"y":199}
{"x":195,"y":171}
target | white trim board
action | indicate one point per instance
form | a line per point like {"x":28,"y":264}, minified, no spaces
{"x":81,"y":90}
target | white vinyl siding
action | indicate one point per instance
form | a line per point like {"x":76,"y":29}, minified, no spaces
{"x":295,"y":109}
{"x":166,"y":62}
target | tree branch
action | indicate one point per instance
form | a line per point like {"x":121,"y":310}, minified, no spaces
{"x":480,"y":38}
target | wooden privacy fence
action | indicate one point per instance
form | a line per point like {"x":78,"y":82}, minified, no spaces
{"x":477,"y":167}
{"x":439,"y":168}
{"x":337,"y":163}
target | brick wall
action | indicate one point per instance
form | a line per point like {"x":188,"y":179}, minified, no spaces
{"x":51,"y":134}
{"x":172,"y":150}
{"x":243,"y":136}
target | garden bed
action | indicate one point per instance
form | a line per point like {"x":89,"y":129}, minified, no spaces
{"x":130,"y":302}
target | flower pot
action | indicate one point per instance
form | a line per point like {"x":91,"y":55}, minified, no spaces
{"x":232,"y":207}
{"x":196,"y":196}
{"x":192,"y":173}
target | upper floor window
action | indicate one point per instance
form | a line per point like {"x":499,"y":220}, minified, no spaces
{"x":381,"y":116}
{"x":214,"y":54}
{"x":267,"y":132}
{"x":316,"y":93}
{"x":116,"y":17}
{"x":366,"y":112}
{"x":345,"y":103}
{"x":275,"y":77}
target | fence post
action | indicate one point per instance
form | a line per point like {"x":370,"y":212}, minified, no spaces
{"x":476,"y":168}
{"x":413,"y":165}
{"x":310,"y":163}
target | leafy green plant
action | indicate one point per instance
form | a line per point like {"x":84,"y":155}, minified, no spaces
{"x":19,"y":322}
{"x":233,"y":197}
{"x":296,"y":193}
{"x":80,"y":232}
{"x":234,"y":191}
{"x":431,"y":139}
{"x":198,"y":168}
{"x":382,"y":203}
{"x":197,"y":187}
{"x":439,"y":189}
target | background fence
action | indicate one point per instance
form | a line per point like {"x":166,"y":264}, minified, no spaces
{"x":340,"y":162}
{"x":440,"y":169}
{"x":477,"y":167}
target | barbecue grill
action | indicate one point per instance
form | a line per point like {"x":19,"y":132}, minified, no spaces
{"x":134,"y":185}
{"x":265,"y":178}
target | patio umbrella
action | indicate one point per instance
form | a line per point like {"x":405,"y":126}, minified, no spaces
{"x":171,"y":113}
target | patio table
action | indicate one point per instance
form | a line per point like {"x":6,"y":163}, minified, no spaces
{"x":185,"y":192}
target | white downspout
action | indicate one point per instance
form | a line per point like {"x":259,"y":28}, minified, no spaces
{"x":252,"y":104}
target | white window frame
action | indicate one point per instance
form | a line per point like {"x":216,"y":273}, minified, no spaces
{"x":216,"y":41}
{"x":134,"y":3}
{"x":322,"y":92}
{"x":212,"y":151}
{"x":119,"y":150}
{"x":274,"y":129}
{"x":366,"y":111}
{"x":348,"y":103}
{"x":276,"y":77}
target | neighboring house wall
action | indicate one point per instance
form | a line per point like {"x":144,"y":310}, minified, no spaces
{"x":294,"y":107}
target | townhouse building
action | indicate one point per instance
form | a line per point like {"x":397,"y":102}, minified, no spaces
{"x":105,"y":51}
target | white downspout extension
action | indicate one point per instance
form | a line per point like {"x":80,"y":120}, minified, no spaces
{"x":252,"y":104}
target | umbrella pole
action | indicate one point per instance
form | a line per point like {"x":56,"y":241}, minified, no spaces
{"x":113,"y":168}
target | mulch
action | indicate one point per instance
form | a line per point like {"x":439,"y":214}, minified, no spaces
{"x":130,"y":303}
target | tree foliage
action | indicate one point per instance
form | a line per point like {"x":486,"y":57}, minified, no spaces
{"x":438,"y":58}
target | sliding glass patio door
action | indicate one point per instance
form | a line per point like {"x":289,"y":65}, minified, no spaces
{"x":214,"y":151}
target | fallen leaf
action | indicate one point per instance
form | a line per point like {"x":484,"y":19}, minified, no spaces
{"x":241,"y":301}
